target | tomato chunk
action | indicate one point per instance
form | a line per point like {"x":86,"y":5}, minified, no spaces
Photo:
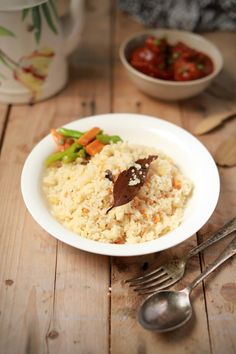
{"x":179,"y":62}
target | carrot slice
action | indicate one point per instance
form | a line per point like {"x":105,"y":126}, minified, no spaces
{"x":62,"y":142}
{"x":156,"y":219}
{"x":88,"y":136}
{"x":57,"y":137}
{"x":94,"y":147}
{"x":176,"y":184}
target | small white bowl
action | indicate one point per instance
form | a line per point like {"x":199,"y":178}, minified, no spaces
{"x":170,"y":90}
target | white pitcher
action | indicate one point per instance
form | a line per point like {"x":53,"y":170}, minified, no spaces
{"x":34,"y":46}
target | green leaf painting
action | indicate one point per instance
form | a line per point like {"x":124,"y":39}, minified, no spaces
{"x":48,"y":18}
{"x":54,"y":9}
{"x":4,"y":61}
{"x":25,"y":13}
{"x":6,"y":32}
{"x":45,"y":11}
{"x":36,"y":19}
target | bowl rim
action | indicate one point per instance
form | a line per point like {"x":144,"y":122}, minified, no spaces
{"x":134,"y":71}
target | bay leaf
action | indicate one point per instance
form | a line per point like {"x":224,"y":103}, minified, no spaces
{"x":130,"y":181}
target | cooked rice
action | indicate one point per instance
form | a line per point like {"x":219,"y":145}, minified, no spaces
{"x":79,"y":196}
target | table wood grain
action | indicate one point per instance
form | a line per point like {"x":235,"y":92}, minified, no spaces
{"x":57,"y":299}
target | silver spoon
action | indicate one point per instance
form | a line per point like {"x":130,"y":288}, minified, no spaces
{"x":167,"y":310}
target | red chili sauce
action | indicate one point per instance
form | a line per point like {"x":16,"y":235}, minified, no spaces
{"x":157,"y":58}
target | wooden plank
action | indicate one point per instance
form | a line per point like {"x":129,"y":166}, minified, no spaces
{"x":81,"y":310}
{"x":82,"y":279}
{"x":53,"y":297}
{"x":3,"y":118}
{"x":220,"y":287}
{"x":126,"y":334}
{"x":27,"y":253}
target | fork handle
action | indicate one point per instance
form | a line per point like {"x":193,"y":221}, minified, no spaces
{"x":227,"y":229}
{"x":228,"y":252}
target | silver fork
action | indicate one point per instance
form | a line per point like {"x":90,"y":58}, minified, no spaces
{"x":169,"y":273}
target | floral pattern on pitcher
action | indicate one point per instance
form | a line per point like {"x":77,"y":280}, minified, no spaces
{"x":36,"y":15}
{"x":31,"y":70}
{"x":34,"y":47}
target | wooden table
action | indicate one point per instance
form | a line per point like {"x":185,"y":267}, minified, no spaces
{"x":57,"y":299}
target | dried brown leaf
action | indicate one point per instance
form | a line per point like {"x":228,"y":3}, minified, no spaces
{"x":225,"y":154}
{"x":130,"y":181}
{"x":212,"y":122}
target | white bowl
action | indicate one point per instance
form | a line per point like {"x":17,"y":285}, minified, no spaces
{"x":170,"y":90}
{"x":188,"y":153}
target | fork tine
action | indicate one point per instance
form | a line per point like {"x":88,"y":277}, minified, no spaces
{"x":143,"y":277}
{"x":158,"y":288}
{"x":150,"y":286}
{"x":148,"y":279}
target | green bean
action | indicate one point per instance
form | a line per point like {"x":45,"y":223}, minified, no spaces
{"x":70,"y":157}
{"x":59,"y":155}
{"x":115,"y":139}
{"x":108,"y":139}
{"x":82,"y":153}
{"x":104,"y":139}
{"x":70,"y":133}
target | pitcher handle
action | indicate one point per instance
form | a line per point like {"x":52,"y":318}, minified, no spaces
{"x":73,"y":24}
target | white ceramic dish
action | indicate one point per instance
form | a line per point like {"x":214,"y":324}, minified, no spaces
{"x":170,"y":90}
{"x":189,"y":154}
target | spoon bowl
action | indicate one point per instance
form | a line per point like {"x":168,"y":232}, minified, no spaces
{"x":165,"y":310}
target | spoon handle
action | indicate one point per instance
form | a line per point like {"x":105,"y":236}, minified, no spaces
{"x":228,"y":252}
{"x":216,"y":236}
